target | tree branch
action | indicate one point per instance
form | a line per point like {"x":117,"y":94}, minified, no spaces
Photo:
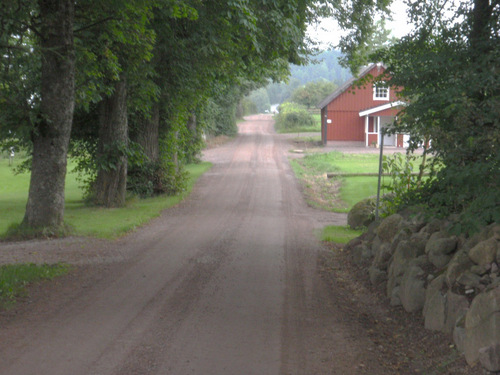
{"x":104,"y":20}
{"x":8,"y":46}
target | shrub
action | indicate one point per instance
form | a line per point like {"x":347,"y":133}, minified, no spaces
{"x":293,"y":116}
{"x":154,"y":178}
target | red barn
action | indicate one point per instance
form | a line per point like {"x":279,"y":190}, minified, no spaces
{"x":358,"y":113}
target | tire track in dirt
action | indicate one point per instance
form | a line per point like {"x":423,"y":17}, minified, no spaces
{"x":225,"y":283}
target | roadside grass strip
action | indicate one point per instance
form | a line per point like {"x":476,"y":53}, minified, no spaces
{"x":87,"y":220}
{"x":14,"y":278}
{"x":338,"y":193}
{"x":338,"y":234}
{"x":302,"y":129}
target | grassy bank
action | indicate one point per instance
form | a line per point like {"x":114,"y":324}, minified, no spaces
{"x":302,"y":129}
{"x":85,"y":220}
{"x":338,"y":194}
{"x":338,"y":234}
{"x":14,"y":278}
{"x":341,"y":193}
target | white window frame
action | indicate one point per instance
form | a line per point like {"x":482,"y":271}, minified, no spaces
{"x":378,"y":90}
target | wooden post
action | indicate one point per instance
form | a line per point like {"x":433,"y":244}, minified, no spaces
{"x":366,"y":130}
{"x":379,"y":173}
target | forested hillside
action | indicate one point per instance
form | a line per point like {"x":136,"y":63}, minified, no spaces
{"x":323,"y":67}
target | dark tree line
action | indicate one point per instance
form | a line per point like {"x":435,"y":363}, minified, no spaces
{"x":127,"y":87}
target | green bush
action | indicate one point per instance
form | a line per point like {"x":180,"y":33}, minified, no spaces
{"x":292,"y":116}
{"x":155,"y":178}
{"x":247,"y":107}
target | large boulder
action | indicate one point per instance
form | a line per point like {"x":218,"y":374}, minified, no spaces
{"x":389,"y":227}
{"x":443,"y":309}
{"x":360,"y":253}
{"x":457,"y":266}
{"x":412,"y":289}
{"x":433,"y":226}
{"x":370,"y":233}
{"x":457,"y":306}
{"x":404,"y":254}
{"x":377,"y":276}
{"x":382,"y":256}
{"x":440,"y":248}
{"x":459,"y":334}
{"x":419,"y":241}
{"x":492,"y":230}
{"x":362,"y":214}
{"x":485,"y":252}
{"x":435,"y":305}
{"x":482,"y":330}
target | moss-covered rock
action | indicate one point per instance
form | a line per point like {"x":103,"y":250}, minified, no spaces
{"x":362,"y":214}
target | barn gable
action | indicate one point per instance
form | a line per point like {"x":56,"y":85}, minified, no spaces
{"x":353,"y":113}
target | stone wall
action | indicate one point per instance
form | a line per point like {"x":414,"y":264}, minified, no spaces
{"x":454,"y":281}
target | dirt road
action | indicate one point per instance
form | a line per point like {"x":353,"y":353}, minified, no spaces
{"x":225,"y":283}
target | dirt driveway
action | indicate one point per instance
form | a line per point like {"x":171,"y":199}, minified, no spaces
{"x":232,"y":281}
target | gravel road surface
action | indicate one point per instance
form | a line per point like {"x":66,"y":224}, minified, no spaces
{"x":225,"y":283}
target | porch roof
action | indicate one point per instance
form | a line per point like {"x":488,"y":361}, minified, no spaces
{"x":380,"y":108}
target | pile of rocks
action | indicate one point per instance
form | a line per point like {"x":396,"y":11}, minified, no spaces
{"x":454,"y":281}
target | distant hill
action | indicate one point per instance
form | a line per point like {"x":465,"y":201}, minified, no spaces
{"x":324,"y":66}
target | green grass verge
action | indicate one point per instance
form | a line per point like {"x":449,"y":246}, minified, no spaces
{"x":316,"y":139}
{"x":339,"y":234}
{"x":303,"y":129}
{"x":85,"y":220}
{"x":355,"y":189}
{"x":14,"y":278}
{"x":316,"y":128}
{"x":312,"y":168}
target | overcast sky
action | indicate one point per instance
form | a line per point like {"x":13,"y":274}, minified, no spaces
{"x":328,"y":32}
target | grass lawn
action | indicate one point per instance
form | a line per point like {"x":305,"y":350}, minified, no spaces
{"x":303,"y":129}
{"x":354,"y":189}
{"x":86,"y":221}
{"x":343,"y":192}
{"x":338,"y":234}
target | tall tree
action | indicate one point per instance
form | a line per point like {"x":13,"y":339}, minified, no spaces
{"x":52,"y":128}
{"x":448,"y":71}
{"x":115,"y":51}
{"x":313,"y":92}
{"x":111,"y":181}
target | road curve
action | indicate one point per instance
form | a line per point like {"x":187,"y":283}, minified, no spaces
{"x":225,"y":283}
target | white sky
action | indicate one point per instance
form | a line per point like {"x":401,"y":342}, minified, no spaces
{"x":328,"y":32}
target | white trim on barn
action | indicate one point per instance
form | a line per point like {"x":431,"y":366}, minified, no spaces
{"x":368,"y":112}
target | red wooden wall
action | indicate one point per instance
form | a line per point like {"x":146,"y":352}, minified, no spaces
{"x":343,"y":111}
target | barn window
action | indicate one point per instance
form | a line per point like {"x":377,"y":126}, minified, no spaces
{"x":380,"y":91}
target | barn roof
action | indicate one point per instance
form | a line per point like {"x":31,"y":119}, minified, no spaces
{"x":346,"y":85}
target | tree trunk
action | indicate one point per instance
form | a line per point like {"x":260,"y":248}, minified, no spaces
{"x":191,"y":124}
{"x":148,"y":136}
{"x":45,"y":207}
{"x":480,"y":32}
{"x":424,"y":160}
{"x":191,"y":151}
{"x":111,"y":182}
